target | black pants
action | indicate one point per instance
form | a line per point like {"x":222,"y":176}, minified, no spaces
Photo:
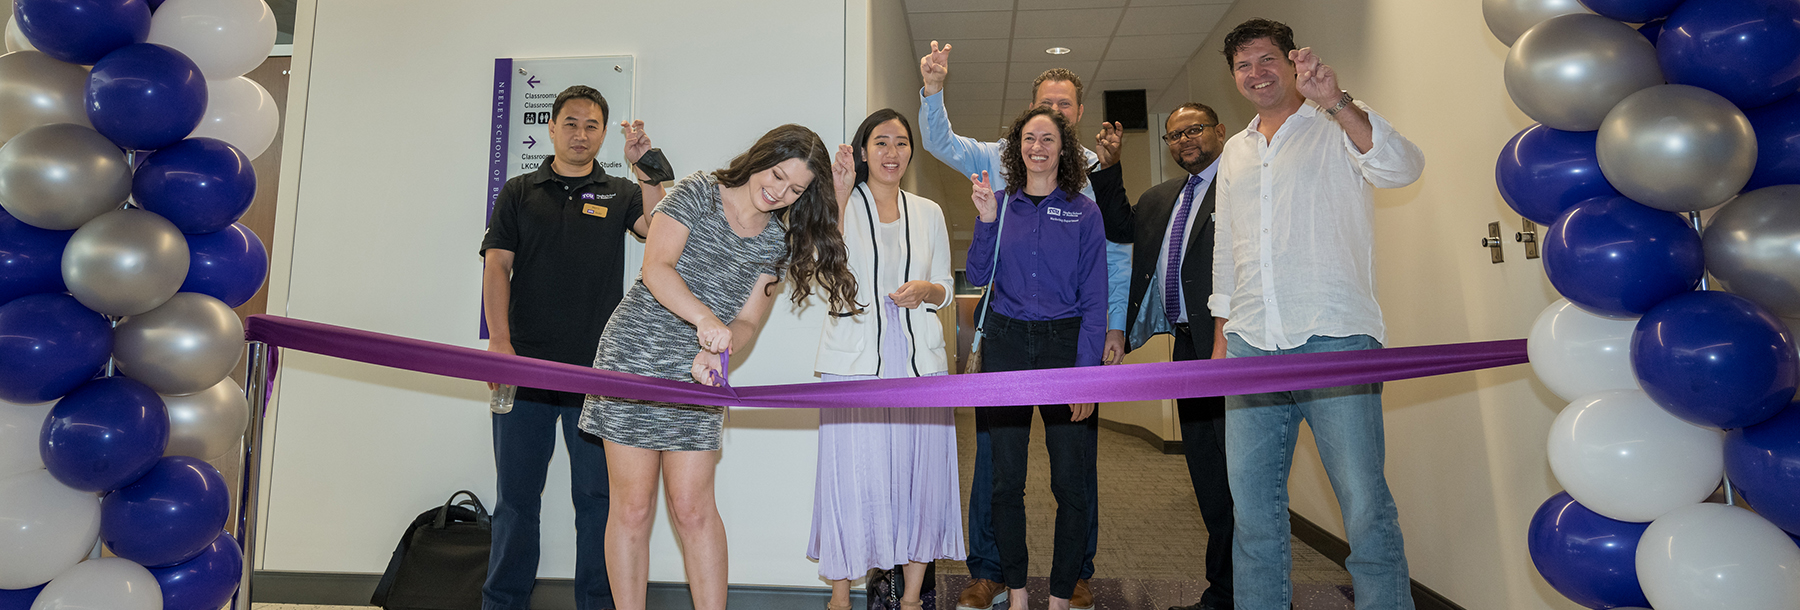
{"x":1203,"y":440}
{"x":1018,"y":345}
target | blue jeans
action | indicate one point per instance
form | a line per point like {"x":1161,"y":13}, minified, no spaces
{"x":524,"y":440}
{"x":1259,"y":444}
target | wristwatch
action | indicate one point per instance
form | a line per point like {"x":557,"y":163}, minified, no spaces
{"x":1342,"y":102}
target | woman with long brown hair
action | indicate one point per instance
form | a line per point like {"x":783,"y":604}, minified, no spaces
{"x":711,"y":275}
{"x":1047,"y":309}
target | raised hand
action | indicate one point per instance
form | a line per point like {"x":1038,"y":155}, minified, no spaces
{"x":934,"y":67}
{"x":1107,"y":142}
{"x":843,"y":173}
{"x":983,"y":196}
{"x":636,"y":141}
{"x":1315,"y":80}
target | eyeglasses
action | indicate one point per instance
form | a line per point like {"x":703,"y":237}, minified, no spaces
{"x":1190,"y":132}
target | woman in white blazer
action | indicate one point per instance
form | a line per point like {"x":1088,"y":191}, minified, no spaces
{"x":887,"y":493}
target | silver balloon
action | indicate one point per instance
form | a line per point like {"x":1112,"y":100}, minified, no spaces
{"x":1568,"y":71}
{"x":60,"y":176}
{"x":1677,"y":148}
{"x":1753,"y":248}
{"x":185,"y":346}
{"x":37,"y":90}
{"x":126,"y":262}
{"x":209,"y":423}
{"x":1508,"y":19}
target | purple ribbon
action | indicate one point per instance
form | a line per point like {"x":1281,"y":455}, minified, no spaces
{"x":1126,"y":382}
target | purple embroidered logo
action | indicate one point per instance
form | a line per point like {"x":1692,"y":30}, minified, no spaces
{"x":587,"y":196}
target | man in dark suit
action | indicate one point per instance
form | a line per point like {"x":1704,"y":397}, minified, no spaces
{"x":1171,"y":232}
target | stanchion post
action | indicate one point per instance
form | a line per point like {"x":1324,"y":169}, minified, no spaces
{"x":256,"y":382}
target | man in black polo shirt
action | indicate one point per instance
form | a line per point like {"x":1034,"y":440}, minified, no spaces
{"x":554,"y":254}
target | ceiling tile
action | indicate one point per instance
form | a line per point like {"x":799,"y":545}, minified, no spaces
{"x":1152,"y":47}
{"x":1137,"y":69}
{"x":940,"y":6}
{"x":976,"y":72}
{"x":1080,"y":49}
{"x":1178,"y":2}
{"x":1064,"y":23}
{"x":1032,"y":5}
{"x":1023,"y":72}
{"x":975,"y":91}
{"x":959,"y":26}
{"x":967,"y":108}
{"x":1146,"y":84}
{"x":1190,"y":19}
{"x":968,"y":49}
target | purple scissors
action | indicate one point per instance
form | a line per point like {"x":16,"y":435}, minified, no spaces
{"x":721,"y":377}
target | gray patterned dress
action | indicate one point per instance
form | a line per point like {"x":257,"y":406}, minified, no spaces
{"x":645,"y":338}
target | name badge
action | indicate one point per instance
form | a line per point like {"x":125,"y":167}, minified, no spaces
{"x":593,"y":210}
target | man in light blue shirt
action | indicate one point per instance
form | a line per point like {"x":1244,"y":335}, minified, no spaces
{"x":1059,"y":89}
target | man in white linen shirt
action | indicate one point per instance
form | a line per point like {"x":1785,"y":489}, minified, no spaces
{"x":1293,"y":272}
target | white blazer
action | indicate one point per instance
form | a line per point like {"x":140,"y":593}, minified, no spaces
{"x":851,"y":344}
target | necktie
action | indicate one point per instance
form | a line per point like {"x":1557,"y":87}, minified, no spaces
{"x":1172,"y":274}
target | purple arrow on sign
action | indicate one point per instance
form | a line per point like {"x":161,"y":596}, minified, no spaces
{"x":530,"y":141}
{"x":533,"y":81}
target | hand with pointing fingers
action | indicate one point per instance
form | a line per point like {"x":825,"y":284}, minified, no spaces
{"x":843,"y":173}
{"x":1315,"y":80}
{"x":636,"y":141}
{"x":982,"y":193}
{"x":1107,"y":143}
{"x":934,"y":67}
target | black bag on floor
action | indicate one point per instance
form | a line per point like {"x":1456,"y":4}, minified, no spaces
{"x":441,"y":561}
{"x":887,"y":586}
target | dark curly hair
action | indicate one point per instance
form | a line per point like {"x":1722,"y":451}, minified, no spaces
{"x":1071,"y":165}
{"x":815,"y":244}
{"x":1247,"y":32}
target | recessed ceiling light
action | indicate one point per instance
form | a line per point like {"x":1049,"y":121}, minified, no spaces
{"x":1057,"y":50}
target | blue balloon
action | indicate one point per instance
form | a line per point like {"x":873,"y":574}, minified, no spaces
{"x":145,"y":96}
{"x":1715,"y":359}
{"x":168,"y":516}
{"x":1544,"y":171}
{"x":1590,"y":559}
{"x":1652,"y":30}
{"x":49,"y":344}
{"x":205,"y":582}
{"x":82,"y":31}
{"x":1745,"y":50}
{"x":1632,"y":11}
{"x":19,"y":599}
{"x":228,"y":265}
{"x":1616,"y":257}
{"x":30,"y":259}
{"x":1777,"y":128}
{"x":1763,"y":462}
{"x":156,"y":4}
{"x":105,"y":434}
{"x":200,"y":184}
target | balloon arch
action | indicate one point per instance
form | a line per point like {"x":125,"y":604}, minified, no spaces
{"x":1674,"y":391}
{"x":128,"y":131}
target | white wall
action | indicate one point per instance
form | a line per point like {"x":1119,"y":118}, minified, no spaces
{"x":1465,"y":452}
{"x":383,"y":208}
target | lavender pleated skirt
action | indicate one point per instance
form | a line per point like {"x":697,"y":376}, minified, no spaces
{"x":887,"y":490}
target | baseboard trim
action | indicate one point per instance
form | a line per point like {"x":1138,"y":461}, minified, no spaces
{"x":337,"y":589}
{"x":1336,"y":549}
{"x":1167,"y":447}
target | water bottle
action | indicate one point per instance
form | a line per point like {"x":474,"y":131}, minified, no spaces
{"x":502,"y":400}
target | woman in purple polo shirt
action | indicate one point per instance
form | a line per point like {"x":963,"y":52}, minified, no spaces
{"x":1041,"y":244}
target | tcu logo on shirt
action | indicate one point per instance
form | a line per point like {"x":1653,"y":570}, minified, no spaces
{"x":1062,"y":215}
{"x":586,"y":196}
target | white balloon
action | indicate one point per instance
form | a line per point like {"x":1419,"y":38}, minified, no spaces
{"x":45,"y":527}
{"x":20,"y":426}
{"x":226,"y":38}
{"x":1619,"y":454}
{"x":240,"y":112}
{"x":108,"y":583}
{"x":15,"y":39}
{"x":1576,"y":353}
{"x":1712,"y":556}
